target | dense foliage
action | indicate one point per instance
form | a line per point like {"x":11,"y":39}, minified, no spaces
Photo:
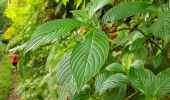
{"x":107,"y":50}
{"x":5,"y":74}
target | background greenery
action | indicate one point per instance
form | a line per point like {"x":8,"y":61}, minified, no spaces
{"x":66,"y":51}
{"x":5,"y":74}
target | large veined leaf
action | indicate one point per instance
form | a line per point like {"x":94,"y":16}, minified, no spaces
{"x":117,"y":93}
{"x":145,"y":81}
{"x":89,"y":56}
{"x":117,"y":80}
{"x":83,"y":95}
{"x":97,"y":5}
{"x":99,"y":81}
{"x":163,"y":8}
{"x":65,"y":78}
{"x":50,"y":31}
{"x":161,"y":27}
{"x":162,"y":83}
{"x":124,"y":10}
{"x":142,"y":79}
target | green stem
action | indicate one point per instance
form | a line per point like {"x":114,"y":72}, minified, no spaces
{"x":132,"y":29}
{"x":130,"y":96}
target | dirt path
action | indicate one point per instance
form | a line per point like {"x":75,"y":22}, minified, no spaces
{"x":13,"y":94}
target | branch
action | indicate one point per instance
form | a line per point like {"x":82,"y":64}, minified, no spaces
{"x":130,"y":96}
{"x":132,"y":29}
{"x":156,"y":45}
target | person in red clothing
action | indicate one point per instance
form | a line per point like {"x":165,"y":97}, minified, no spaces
{"x":15,"y":59}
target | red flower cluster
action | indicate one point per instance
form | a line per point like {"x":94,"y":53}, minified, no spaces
{"x":107,"y":29}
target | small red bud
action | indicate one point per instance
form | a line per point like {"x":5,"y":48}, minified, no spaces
{"x":113,"y":36}
{"x":105,"y":28}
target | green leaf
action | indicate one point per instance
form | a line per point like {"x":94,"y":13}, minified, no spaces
{"x":86,"y":88}
{"x":117,"y":80}
{"x":137,"y":63}
{"x":78,"y":3}
{"x":136,"y":44}
{"x":145,"y":81}
{"x":157,"y":60}
{"x":141,"y":53}
{"x":162,"y":83}
{"x":115,"y":67}
{"x":65,"y":2}
{"x":127,"y":60}
{"x":80,"y":96}
{"x":57,"y":1}
{"x":97,"y":5}
{"x":79,"y":13}
{"x":136,"y":35}
{"x":51,"y":31}
{"x":163,"y":8}
{"x":117,"y":93}
{"x":161,"y":27}
{"x":65,"y":78}
{"x":142,"y":79}
{"x":124,"y":10}
{"x":2,"y":6}
{"x":94,"y":20}
{"x":89,"y":56}
{"x":99,"y":81}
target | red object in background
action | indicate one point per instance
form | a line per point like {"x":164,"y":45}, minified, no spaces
{"x":113,"y":36}
{"x":105,"y":28}
{"x":14,"y":57}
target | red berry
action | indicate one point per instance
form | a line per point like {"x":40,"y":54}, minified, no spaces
{"x":114,"y":29}
{"x":105,"y":29}
{"x":113,"y":36}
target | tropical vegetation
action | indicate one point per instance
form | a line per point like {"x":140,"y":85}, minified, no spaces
{"x":89,"y":49}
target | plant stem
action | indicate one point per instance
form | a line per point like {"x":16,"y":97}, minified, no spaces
{"x":149,"y":39}
{"x":132,"y":29}
{"x":123,"y":29}
{"x":153,"y":50}
{"x":156,"y":45}
{"x":130,"y":96}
